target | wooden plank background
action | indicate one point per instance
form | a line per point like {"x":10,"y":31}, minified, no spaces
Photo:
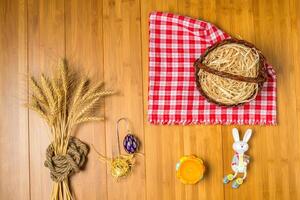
{"x":108,"y":39}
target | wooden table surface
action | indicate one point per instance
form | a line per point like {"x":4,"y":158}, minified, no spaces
{"x":108,"y":40}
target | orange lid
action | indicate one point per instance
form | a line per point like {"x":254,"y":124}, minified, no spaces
{"x":190,"y":169}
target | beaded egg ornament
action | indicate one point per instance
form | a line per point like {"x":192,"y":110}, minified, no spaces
{"x":121,"y":165}
{"x":131,"y":143}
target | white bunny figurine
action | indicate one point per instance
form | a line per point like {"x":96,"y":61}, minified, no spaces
{"x":240,"y":160}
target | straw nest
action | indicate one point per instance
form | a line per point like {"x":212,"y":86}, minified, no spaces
{"x":230,"y":72}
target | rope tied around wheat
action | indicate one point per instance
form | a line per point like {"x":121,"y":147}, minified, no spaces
{"x":63,"y":166}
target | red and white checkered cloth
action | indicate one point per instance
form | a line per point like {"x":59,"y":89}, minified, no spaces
{"x":175,"y":43}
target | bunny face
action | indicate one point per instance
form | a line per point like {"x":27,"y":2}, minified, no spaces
{"x":241,"y":146}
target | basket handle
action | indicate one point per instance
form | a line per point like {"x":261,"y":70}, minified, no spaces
{"x":259,"y":79}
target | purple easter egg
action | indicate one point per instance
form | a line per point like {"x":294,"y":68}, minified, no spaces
{"x":131,"y":144}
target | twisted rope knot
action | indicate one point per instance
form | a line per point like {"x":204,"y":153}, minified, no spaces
{"x":62,"y":166}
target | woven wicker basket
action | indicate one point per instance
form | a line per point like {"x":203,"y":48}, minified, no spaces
{"x":260,"y":79}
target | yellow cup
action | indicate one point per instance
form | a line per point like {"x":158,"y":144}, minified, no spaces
{"x":190,"y":169}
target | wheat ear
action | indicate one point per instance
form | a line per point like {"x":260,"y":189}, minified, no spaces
{"x":48,"y":90}
{"x":79,"y":90}
{"x":88,"y":119}
{"x":36,"y":107}
{"x":101,"y":94}
{"x":87,"y":108}
{"x":92,"y":90}
{"x":64,"y":75}
{"x":37,"y":91}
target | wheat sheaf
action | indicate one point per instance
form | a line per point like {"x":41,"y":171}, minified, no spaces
{"x":64,"y":101}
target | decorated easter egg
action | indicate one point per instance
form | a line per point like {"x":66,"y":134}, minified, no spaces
{"x":131,"y":144}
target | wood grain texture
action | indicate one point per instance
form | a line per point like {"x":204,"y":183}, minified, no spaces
{"x":108,"y":40}
{"x":13,"y":91}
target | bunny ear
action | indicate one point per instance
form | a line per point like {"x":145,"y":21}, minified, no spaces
{"x":235,"y":134}
{"x":247,"y":135}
